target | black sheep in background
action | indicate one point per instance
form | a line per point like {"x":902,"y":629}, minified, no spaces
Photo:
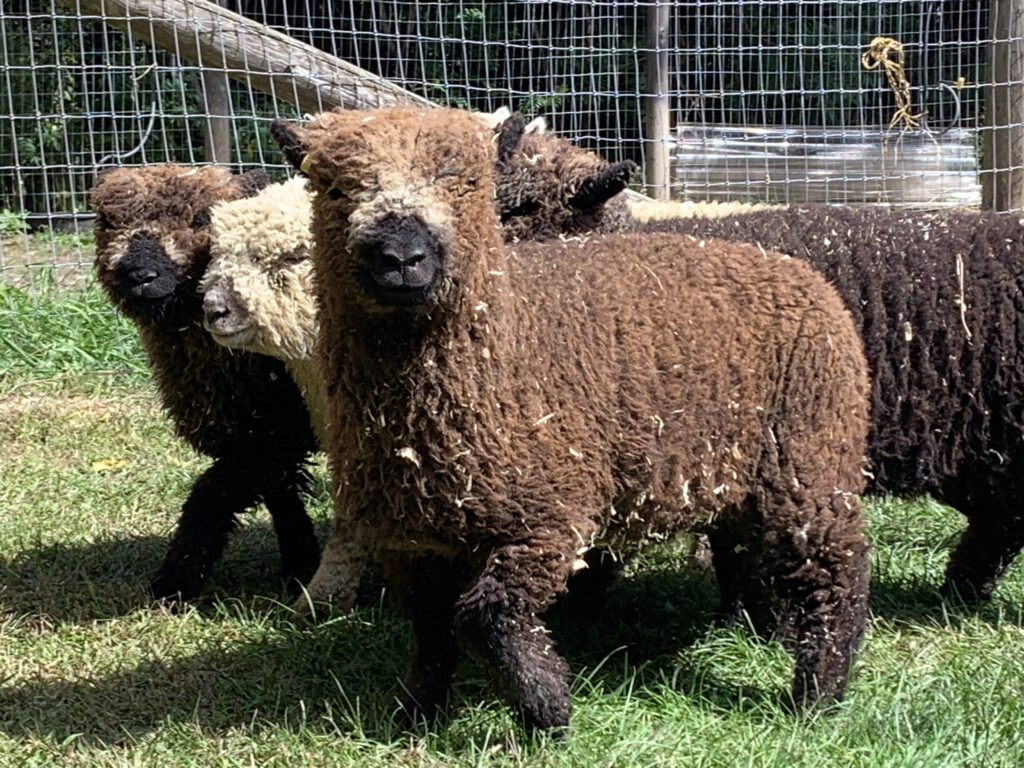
{"x":242,"y":410}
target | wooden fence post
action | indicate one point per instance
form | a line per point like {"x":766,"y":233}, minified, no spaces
{"x":216,"y":92}
{"x":656,"y":119}
{"x":1002,"y":180}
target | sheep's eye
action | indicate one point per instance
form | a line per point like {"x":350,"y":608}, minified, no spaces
{"x":525,"y":208}
{"x":200,"y":220}
{"x":335,"y":194}
{"x":447,"y":172}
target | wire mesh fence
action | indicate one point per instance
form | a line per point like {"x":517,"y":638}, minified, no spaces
{"x":757,"y":99}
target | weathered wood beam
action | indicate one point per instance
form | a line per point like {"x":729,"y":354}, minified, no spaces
{"x":656,"y":117}
{"x":212,"y":37}
{"x":1002,"y":181}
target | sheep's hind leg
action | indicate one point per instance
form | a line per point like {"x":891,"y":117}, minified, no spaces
{"x":735,"y":545}
{"x":207,"y":518}
{"x":428,"y":588}
{"x":498,"y":616}
{"x":816,"y":560}
{"x":296,"y":539}
{"x":984,"y":552}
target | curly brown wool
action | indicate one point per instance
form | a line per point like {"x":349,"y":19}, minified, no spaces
{"x":495,"y":412}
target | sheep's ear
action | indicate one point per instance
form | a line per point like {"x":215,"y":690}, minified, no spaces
{"x":287,"y":137}
{"x":603,"y":186}
{"x":510,"y":133}
{"x":102,"y":173}
{"x":537,"y":125}
{"x":251,"y":182}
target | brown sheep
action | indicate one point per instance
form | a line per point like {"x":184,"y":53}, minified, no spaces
{"x":495,"y":412}
{"x":242,"y":410}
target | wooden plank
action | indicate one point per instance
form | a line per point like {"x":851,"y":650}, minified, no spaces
{"x":207,"y":35}
{"x":656,"y":117}
{"x":1003,"y":178}
{"x":826,"y":165}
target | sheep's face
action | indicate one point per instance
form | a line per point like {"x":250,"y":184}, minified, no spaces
{"x":258,"y":291}
{"x":546,"y":186}
{"x":395,"y":192}
{"x":152,"y":238}
{"x":400,"y":257}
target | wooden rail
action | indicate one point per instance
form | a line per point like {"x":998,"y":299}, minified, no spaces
{"x":212,"y":37}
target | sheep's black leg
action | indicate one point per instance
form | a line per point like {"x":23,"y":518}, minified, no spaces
{"x":985,"y":550}
{"x":816,"y":561}
{"x":296,"y":539}
{"x":589,"y":586}
{"x":429,"y":588}
{"x":498,"y":616}
{"x":735,"y":545}
{"x":207,"y":517}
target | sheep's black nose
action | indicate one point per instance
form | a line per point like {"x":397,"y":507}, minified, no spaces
{"x":393,"y":258}
{"x":143,"y":276}
{"x":140,"y":259}
{"x":144,"y":272}
{"x":402,"y":258}
{"x":400,"y":242}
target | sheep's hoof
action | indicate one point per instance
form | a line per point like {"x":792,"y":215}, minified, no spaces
{"x":168,"y":591}
{"x":966,"y":591}
{"x":308,"y":609}
{"x":550,"y":717}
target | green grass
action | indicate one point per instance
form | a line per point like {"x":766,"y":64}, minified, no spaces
{"x":91,"y":674}
{"x":61,"y":335}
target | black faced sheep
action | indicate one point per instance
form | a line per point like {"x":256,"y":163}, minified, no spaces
{"x":547,"y":187}
{"x":494,"y":412}
{"x":937,"y":300}
{"x":242,"y":410}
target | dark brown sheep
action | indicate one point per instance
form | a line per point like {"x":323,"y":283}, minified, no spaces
{"x":494,"y":413}
{"x":936,"y":298}
{"x":240,"y":409}
{"x":939,"y":302}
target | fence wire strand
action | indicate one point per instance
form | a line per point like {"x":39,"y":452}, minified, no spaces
{"x":767,"y":98}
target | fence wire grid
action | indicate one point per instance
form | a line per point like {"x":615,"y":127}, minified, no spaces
{"x":757,"y":99}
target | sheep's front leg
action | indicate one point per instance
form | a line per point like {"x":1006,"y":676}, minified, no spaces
{"x":296,"y":539}
{"x":337,"y":578}
{"x":207,"y":517}
{"x":428,"y":588}
{"x":498,"y":616}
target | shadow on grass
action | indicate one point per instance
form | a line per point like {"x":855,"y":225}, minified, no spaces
{"x":917,"y":601}
{"x":343,"y":676}
{"x":319,"y":677}
{"x":636,"y":636}
{"x":103,"y":579}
